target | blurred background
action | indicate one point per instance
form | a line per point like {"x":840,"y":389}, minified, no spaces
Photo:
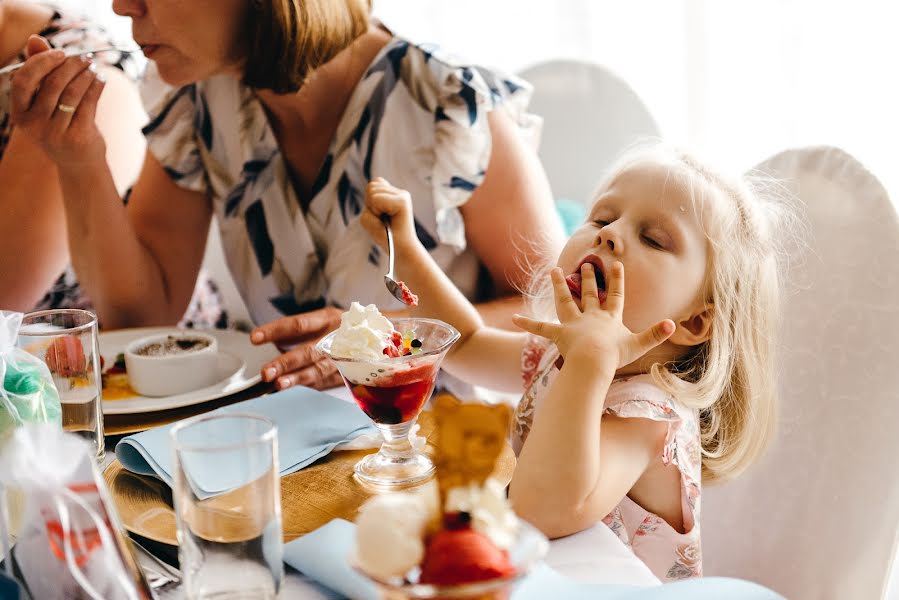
{"x":737,"y":80}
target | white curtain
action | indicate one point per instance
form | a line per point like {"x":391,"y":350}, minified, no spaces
{"x":739,"y":80}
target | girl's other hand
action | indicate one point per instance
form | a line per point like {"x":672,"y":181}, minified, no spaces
{"x":595,"y":332}
{"x":384,"y":200}
{"x":54,"y":100}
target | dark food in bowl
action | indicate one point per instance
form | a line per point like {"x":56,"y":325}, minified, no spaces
{"x":173,"y":345}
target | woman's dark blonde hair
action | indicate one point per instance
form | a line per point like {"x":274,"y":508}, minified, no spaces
{"x":288,"y":39}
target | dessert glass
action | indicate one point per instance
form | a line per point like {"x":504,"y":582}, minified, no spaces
{"x":392,"y":393}
{"x":528,"y":549}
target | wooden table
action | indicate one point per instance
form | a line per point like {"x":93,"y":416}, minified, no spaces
{"x":310,"y":497}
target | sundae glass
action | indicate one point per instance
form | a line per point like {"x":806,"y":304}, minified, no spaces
{"x":391,"y":383}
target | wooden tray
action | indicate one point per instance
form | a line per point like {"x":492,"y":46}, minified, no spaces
{"x":310,"y":497}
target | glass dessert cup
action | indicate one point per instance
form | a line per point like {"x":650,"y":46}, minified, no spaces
{"x":529,"y":548}
{"x":392,"y":392}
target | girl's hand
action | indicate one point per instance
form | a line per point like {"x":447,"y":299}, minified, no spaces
{"x":384,"y":200}
{"x":595,"y":332}
{"x":54,"y":100}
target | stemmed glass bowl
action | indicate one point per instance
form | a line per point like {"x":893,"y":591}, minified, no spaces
{"x":392,"y":392}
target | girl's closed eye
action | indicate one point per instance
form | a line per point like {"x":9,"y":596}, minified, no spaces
{"x":654,"y":240}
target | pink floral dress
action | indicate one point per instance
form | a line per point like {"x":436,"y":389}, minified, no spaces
{"x":669,"y":554}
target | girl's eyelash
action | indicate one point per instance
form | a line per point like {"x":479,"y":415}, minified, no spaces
{"x":653,"y":243}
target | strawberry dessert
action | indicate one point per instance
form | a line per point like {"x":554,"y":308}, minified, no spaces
{"x":384,"y":377}
{"x":407,"y":539}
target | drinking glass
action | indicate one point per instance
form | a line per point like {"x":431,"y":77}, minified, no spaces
{"x":66,"y":340}
{"x":227,"y":497}
{"x":392,"y":393}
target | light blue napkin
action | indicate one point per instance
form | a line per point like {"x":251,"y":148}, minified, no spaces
{"x":310,"y":424}
{"x":323,"y":556}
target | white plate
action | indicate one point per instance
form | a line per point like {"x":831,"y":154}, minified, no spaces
{"x":239,"y":365}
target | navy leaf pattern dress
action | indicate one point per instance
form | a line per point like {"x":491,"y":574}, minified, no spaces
{"x":417,"y":117}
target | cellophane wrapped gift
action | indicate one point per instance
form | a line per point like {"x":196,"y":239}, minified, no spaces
{"x":70,"y":545}
{"x":27,"y":395}
{"x":27,"y":392}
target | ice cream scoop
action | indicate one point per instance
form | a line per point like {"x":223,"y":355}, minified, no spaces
{"x":389,"y":533}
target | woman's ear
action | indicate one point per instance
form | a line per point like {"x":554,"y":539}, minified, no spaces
{"x":695,"y":329}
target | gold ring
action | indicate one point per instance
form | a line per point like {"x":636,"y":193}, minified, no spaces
{"x":65,"y":108}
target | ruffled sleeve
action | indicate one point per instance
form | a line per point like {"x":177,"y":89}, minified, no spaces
{"x":175,"y":131}
{"x":462,"y":97}
{"x":638,"y":397}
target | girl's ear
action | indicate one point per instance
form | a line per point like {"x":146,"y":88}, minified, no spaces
{"x":695,"y":329}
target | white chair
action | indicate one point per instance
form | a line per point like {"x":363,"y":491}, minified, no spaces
{"x":589,"y":116}
{"x":818,"y":517}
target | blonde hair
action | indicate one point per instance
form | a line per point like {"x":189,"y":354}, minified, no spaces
{"x":729,"y":378}
{"x":288,"y":39}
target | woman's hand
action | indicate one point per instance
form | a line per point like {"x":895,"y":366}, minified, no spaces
{"x":384,"y":200}
{"x":296,"y":336}
{"x":54,"y":100}
{"x":595,"y":331}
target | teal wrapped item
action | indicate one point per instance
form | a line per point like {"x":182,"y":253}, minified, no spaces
{"x":27,"y":394}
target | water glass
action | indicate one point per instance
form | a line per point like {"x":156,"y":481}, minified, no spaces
{"x":66,"y":340}
{"x":228,"y":506}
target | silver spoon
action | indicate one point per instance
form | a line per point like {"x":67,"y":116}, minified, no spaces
{"x":17,"y":66}
{"x":392,"y":286}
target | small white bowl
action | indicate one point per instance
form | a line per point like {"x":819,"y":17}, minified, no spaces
{"x":174,"y":373}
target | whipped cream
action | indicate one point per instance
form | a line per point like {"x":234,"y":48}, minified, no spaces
{"x":489,"y":509}
{"x":363,"y":334}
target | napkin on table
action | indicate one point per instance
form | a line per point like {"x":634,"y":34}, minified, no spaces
{"x":310,"y":424}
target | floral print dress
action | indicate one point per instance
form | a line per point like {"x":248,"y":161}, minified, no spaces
{"x":417,"y":117}
{"x":669,"y":554}
{"x":74,"y":34}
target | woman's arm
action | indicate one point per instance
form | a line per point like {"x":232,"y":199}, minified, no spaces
{"x":510,"y":220}
{"x":33,"y":247}
{"x":138,"y":265}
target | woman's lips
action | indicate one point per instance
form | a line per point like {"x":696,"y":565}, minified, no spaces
{"x":149,"y":49}
{"x":574,"y":280}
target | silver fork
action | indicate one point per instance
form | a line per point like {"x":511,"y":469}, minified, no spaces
{"x":17,"y":66}
{"x":159,"y":573}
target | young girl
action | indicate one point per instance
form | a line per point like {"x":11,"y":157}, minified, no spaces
{"x":630,"y":401}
